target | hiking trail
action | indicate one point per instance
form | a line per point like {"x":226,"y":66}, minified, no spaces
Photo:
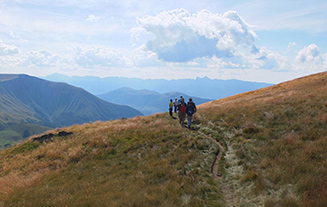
{"x":229,"y":197}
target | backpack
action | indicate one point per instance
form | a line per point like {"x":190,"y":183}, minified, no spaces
{"x":182,"y":108}
{"x":190,"y":110}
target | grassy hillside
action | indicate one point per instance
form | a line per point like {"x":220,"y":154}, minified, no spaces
{"x":273,"y":139}
{"x":143,"y":161}
{"x":277,"y":141}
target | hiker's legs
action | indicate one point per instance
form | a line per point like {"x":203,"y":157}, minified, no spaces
{"x":171,"y":111}
{"x":189,"y":121}
{"x":182,"y":117}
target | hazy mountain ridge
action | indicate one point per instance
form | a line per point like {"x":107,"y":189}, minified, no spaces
{"x":59,"y":104}
{"x":199,"y":87}
{"x":146,"y":101}
{"x":26,"y":99}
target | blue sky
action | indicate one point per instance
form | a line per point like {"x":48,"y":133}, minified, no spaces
{"x":264,"y":41}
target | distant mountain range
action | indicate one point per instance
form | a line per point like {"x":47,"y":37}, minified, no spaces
{"x":199,"y":87}
{"x":146,"y":101}
{"x":43,"y":104}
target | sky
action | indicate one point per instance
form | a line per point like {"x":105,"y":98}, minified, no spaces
{"x":254,"y":40}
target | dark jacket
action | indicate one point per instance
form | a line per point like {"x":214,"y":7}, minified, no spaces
{"x":191,"y":108}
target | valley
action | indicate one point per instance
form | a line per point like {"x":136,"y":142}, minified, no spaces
{"x":145,"y":101}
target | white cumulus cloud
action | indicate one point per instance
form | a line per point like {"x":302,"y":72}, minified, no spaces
{"x":180,"y":36}
{"x":309,"y":54}
{"x":92,"y":18}
{"x":98,"y":56}
{"x":267,"y":59}
{"x":142,"y":57}
{"x":8,"y":49}
{"x":40,"y":58}
{"x":310,"y":59}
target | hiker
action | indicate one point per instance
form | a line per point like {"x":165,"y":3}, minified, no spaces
{"x":191,"y":109}
{"x":182,"y":111}
{"x":179,"y":102}
{"x":175,"y":105}
{"x":171,"y":104}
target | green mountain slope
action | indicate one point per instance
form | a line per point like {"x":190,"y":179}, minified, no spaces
{"x":260,"y":148}
{"x":26,"y":99}
{"x":148,"y":102}
{"x":12,"y":132}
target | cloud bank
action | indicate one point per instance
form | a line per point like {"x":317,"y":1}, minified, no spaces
{"x":216,"y":40}
{"x":180,"y":36}
{"x":98,"y":56}
{"x":40,"y":58}
{"x":206,"y":39}
{"x":175,"y":40}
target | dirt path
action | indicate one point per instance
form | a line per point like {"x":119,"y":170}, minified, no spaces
{"x":229,"y":197}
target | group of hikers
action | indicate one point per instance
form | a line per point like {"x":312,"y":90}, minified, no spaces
{"x":183,"y":110}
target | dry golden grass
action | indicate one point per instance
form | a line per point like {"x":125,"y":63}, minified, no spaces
{"x":143,"y":161}
{"x":284,"y":159}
